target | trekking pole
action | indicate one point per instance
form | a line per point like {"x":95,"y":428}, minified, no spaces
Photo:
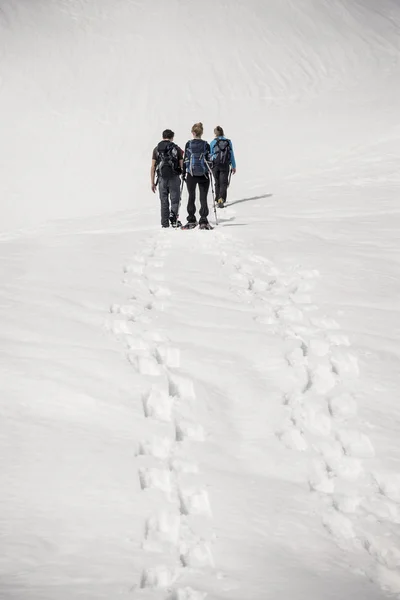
{"x":213,"y":194}
{"x":230,"y":175}
{"x":180,"y":199}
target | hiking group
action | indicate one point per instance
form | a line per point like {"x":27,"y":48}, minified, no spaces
{"x":200,"y":164}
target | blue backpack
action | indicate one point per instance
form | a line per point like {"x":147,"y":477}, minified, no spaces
{"x":197,"y":158}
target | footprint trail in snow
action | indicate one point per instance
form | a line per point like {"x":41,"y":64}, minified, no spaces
{"x":171,"y":548}
{"x":319,"y":386}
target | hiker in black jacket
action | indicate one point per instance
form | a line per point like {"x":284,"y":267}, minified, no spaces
{"x":167,"y":164}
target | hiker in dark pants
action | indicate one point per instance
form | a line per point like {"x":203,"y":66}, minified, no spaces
{"x":167,"y":162}
{"x":223,"y":161}
{"x":197,"y":173}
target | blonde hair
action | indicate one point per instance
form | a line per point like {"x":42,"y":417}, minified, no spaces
{"x":197,"y":129}
{"x":218,"y":130}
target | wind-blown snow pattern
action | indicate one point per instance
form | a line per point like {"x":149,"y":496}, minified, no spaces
{"x":200,"y":414}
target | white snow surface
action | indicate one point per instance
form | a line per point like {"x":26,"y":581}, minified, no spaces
{"x":200,"y":414}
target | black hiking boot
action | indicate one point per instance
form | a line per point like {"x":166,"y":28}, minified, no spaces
{"x":173,"y":219}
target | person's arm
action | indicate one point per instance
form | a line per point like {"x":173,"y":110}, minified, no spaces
{"x":185,"y":160}
{"x":212,"y":146}
{"x":153,"y":175}
{"x":153,"y":170}
{"x":180,"y":159}
{"x":233,"y":161}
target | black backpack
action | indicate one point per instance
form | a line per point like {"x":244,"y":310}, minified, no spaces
{"x":222,"y":153}
{"x":168,"y":162}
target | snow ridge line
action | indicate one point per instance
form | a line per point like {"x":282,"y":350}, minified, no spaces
{"x":178,"y":532}
{"x":359,"y":506}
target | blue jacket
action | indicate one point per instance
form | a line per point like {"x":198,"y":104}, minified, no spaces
{"x":212,"y":146}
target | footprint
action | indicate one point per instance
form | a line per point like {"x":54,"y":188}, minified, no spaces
{"x":158,"y":405}
{"x":346,"y":504}
{"x":321,"y":480}
{"x":196,"y":555}
{"x":311,"y":418}
{"x":342,"y":406}
{"x":389,"y":485}
{"x":383,"y":550}
{"x":296,"y":356}
{"x":186,"y":594}
{"x":338,"y":525}
{"x":318,"y":347}
{"x":323,"y":380}
{"x":152,"y":478}
{"x":189,"y":431}
{"x":182,"y":387}
{"x":120,"y":326}
{"x":146,"y":365}
{"x":260,"y":285}
{"x":293,"y":439}
{"x":194,"y":502}
{"x":383,"y":508}
{"x":168,"y":355}
{"x":158,"y":447}
{"x":344,"y":363}
{"x":355,"y":443}
{"x":129,"y":310}
{"x":135,"y":342}
{"x":291,"y":314}
{"x":159,"y":291}
{"x":136,"y":269}
{"x":158,"y":577}
{"x":388,"y":579}
{"x":346,"y":467}
{"x":164,"y":527}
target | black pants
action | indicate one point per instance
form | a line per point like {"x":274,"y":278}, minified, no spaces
{"x":221,"y":177}
{"x":204,"y":183}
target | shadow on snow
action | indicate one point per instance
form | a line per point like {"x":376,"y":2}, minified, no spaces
{"x":249,"y":199}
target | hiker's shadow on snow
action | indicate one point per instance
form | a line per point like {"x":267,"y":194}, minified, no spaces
{"x":221,"y":220}
{"x":228,"y":222}
{"x":249,"y":199}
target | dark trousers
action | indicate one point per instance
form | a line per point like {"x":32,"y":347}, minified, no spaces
{"x":169,"y":189}
{"x":221,"y":177}
{"x":204,"y":183}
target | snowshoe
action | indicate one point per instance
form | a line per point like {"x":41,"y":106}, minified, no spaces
{"x":189,"y":225}
{"x":220,"y":202}
{"x":205,"y":226}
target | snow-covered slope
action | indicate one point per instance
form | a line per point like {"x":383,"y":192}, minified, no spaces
{"x":200,"y":413}
{"x":87,"y":88}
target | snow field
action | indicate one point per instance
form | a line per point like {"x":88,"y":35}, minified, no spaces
{"x":319,"y":400}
